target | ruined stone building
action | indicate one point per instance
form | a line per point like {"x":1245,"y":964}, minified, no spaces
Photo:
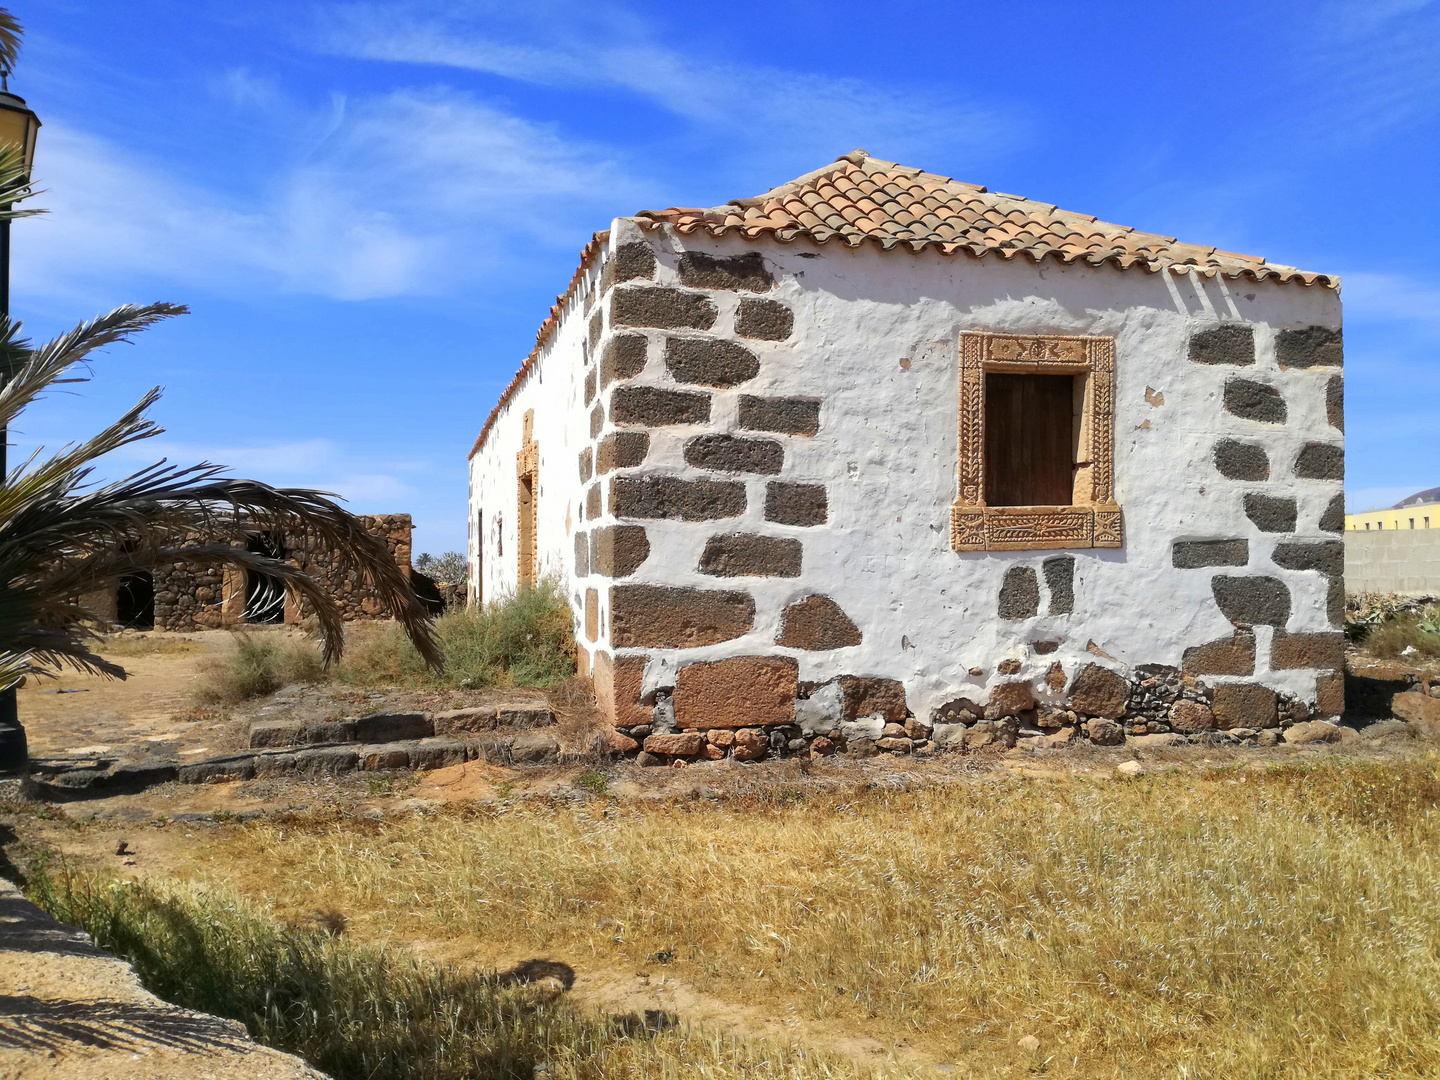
{"x":879,"y":448}
{"x":190,"y":596}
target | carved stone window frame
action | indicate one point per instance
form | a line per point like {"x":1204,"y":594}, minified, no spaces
{"x":1093,"y":520}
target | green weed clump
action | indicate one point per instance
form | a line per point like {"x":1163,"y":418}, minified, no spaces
{"x":259,"y":664}
{"x":361,"y":1012}
{"x":525,"y":639}
{"x":1419,"y":631}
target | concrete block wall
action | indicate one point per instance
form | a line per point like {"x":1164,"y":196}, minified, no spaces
{"x":1399,"y":561}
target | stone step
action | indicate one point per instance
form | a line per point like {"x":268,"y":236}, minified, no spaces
{"x":397,"y":727}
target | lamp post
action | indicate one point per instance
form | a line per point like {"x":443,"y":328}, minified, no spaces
{"x":18,"y":128}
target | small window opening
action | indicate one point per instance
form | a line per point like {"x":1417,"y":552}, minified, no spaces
{"x":1029,"y":440}
{"x":264,"y":594}
{"x":135,"y":601}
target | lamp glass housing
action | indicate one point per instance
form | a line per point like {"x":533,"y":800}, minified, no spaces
{"x":18,"y":127}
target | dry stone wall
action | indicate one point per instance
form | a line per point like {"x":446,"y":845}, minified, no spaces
{"x":190,"y":596}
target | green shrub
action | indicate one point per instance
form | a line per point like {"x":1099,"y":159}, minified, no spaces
{"x":1390,"y":638}
{"x":526,"y":639}
{"x":259,"y":664}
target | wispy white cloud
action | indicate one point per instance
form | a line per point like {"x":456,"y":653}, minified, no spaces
{"x":754,"y":106}
{"x":402,"y":193}
{"x":1392,"y":297}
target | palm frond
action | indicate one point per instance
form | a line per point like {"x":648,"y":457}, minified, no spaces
{"x":15,"y":186}
{"x":11,"y":36}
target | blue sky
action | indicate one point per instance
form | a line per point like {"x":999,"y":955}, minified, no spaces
{"x":371,"y":206}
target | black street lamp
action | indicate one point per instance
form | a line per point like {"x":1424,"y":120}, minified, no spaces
{"x":18,"y":128}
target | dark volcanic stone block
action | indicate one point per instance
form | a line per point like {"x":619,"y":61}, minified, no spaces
{"x":726,"y":453}
{"x":764,"y":320}
{"x":748,"y":271}
{"x":1193,"y":554}
{"x":816,"y":623}
{"x":663,"y":308}
{"x":1320,"y":461}
{"x":1252,"y":601}
{"x":630,"y":261}
{"x":1313,"y":346}
{"x":620,"y":550}
{"x":582,"y":554}
{"x":1060,"y":581}
{"x":670,"y":497}
{"x":1271,"y":513}
{"x":1241,"y":461}
{"x":392,"y":727}
{"x":1326,"y":556}
{"x":655,"y":407}
{"x":1335,"y":402}
{"x":1232,"y":343}
{"x":710,"y":361}
{"x":622,"y":450}
{"x":1251,"y":400}
{"x":795,"y":504}
{"x":597,"y":326}
{"x":1333,"y":520}
{"x":672,"y":617}
{"x":748,"y":555}
{"x":1019,"y":594}
{"x":784,"y":416}
{"x":623,"y":358}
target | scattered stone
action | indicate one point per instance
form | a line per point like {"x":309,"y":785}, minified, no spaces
{"x":1158,"y":740}
{"x":916,"y":729}
{"x":901,"y":745}
{"x":1130,"y":768}
{"x":822,"y":747}
{"x":1104,"y":732}
{"x":1267,"y":738}
{"x":1312,"y":731}
{"x":750,"y":745}
{"x":648,"y":760}
{"x":1417,"y":707}
{"x":1002,"y":732}
{"x":1388,"y":729}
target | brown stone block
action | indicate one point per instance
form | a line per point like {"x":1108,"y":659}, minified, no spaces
{"x":1234,"y":655}
{"x":671,"y":497}
{"x":1055,"y":678}
{"x":623,"y":358}
{"x":587,"y":464}
{"x":1098,"y":691}
{"x":1191,"y":717}
{"x":597,"y":327}
{"x":592,"y":614}
{"x":748,"y":271}
{"x":861,"y":696}
{"x":722,"y":737}
{"x":592,"y":502}
{"x":744,"y":692}
{"x":796,"y":504}
{"x":630,"y":261}
{"x":617,"y":689}
{"x":751,"y":745}
{"x":816,"y":623}
{"x":1248,"y":705}
{"x":622,"y":450}
{"x":1010,"y":699}
{"x":597,"y":419}
{"x":589,"y":386}
{"x":672,"y":617}
{"x":726,"y":453}
{"x":652,"y":406}
{"x":582,"y":554}
{"x":710,"y":361}
{"x":784,"y":416}
{"x":748,"y":555}
{"x":620,"y":550}
{"x":663,"y":308}
{"x":1307,"y":651}
{"x":679,"y":743}
{"x":1330,"y":694}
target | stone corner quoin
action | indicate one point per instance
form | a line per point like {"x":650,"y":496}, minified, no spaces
{"x":737,"y":454}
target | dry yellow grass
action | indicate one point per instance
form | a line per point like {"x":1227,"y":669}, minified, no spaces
{"x":1235,"y":923}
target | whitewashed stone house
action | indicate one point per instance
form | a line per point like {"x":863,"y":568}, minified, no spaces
{"x":882,"y":459}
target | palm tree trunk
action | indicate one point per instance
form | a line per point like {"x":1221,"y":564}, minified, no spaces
{"x":14,"y":755}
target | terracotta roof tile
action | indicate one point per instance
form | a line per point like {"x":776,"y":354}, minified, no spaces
{"x":862,"y":199}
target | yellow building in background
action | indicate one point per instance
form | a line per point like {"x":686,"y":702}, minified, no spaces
{"x":1419,"y":511}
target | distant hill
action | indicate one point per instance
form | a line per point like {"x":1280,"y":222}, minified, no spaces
{"x":1429,"y":495}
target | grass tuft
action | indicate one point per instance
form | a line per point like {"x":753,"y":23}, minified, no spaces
{"x":525,"y":639}
{"x":361,"y":1012}
{"x":259,"y":664}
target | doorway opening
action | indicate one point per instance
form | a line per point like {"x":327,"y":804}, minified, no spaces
{"x":135,"y":601}
{"x":264,"y":594}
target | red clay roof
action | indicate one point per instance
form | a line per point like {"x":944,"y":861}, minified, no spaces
{"x":860,"y":198}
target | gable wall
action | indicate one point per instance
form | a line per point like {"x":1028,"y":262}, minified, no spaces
{"x":875,"y":340}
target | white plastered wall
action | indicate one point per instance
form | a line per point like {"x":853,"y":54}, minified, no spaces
{"x":887,"y":445}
